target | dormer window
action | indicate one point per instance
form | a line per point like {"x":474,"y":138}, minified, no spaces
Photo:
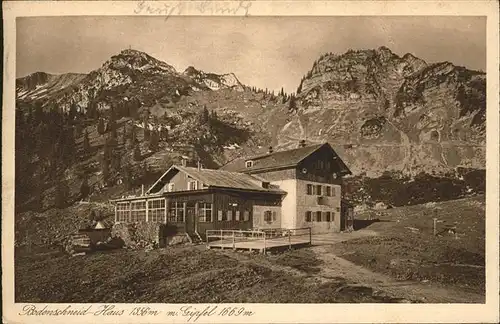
{"x":192,"y":185}
{"x":249,"y":164}
{"x":265,"y":185}
{"x":170,"y":187}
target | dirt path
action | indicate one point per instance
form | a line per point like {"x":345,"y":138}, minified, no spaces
{"x":335,"y":266}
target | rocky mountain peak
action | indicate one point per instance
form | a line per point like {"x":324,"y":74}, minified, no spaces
{"x":385,"y":53}
{"x":212,"y":80}
{"x":137,"y":60}
{"x":374,"y":101}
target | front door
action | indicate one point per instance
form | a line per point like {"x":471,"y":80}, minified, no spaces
{"x":190,"y":217}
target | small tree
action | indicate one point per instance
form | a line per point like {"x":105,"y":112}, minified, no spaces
{"x":127,"y":176}
{"x":124,"y":135}
{"x":164,"y":133}
{"x":153,"y":141}
{"x":72,"y":112}
{"x":116,"y":160}
{"x":92,"y":109}
{"x":292,"y":105}
{"x":205,"y":116}
{"x":147,"y":133}
{"x":100,"y":126}
{"x":137,"y":153}
{"x":105,"y":170}
{"x":132,"y":137}
{"x":61,"y":194}
{"x":84,"y":188}
{"x":86,"y":142}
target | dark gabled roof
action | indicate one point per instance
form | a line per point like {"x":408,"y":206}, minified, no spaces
{"x":278,"y":160}
{"x":217,"y":179}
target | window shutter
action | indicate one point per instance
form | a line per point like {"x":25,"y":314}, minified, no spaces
{"x":274,"y":216}
{"x":219,"y":215}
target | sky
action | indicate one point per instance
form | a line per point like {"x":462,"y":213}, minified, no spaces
{"x":266,"y":52}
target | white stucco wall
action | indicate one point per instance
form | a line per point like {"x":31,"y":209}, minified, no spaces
{"x":289,"y":203}
{"x":258,"y":217}
{"x":307,"y":202}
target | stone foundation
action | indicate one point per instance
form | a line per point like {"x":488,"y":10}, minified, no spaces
{"x":140,"y":234}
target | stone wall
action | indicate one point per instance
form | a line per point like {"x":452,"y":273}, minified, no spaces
{"x":140,"y":234}
{"x":147,"y":234}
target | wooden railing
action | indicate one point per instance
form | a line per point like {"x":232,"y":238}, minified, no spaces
{"x":232,"y":237}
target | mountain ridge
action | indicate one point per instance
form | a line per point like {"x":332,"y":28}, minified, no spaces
{"x":381,"y":111}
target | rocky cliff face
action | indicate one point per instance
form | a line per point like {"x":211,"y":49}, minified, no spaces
{"x":131,"y":74}
{"x":214,"y":81}
{"x":385,"y":112}
{"x":380,"y":111}
{"x":41,"y":85}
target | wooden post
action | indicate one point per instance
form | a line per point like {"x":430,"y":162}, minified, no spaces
{"x":264,"y":250}
{"x":196,"y":215}
{"x":166,"y":210}
{"x":234,"y":246}
{"x":289,"y":240}
{"x":116,"y":216}
{"x":434,"y":227}
{"x":310,"y":236}
{"x":147,"y":210}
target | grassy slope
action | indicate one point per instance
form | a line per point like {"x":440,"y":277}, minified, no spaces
{"x":189,"y":274}
{"x":194,"y":274}
{"x":419,"y":255}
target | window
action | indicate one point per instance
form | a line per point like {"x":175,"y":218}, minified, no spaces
{"x":333,"y":191}
{"x":333,"y":216}
{"x":237,"y":215}
{"x":309,"y":189}
{"x":338,"y":209}
{"x":268,"y":216}
{"x":249,"y":164}
{"x":327,"y":216}
{"x":170,"y":187}
{"x":205,"y":212}
{"x":328,"y":190}
{"x":318,"y":190}
{"x":192,"y":185}
{"x":176,"y":212}
{"x":138,"y":211}
{"x":122,"y":211}
{"x":219,"y":215}
{"x":156,"y":210}
{"x":229,"y":215}
{"x":246,"y":216}
{"x":308,"y":216}
{"x":318,"y":216}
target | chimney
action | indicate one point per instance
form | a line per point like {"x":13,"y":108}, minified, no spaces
{"x":302,"y":143}
{"x":142,"y":190}
{"x":270,"y":149}
{"x":183,"y":162}
{"x":200,"y":166}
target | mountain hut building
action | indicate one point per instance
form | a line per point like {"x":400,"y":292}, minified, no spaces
{"x":289,"y":189}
